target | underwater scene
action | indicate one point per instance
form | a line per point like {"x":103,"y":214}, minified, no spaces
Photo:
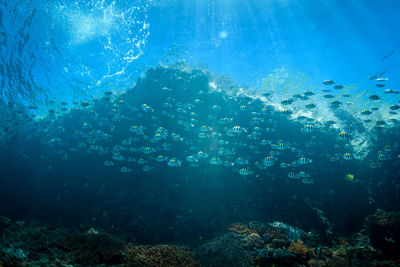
{"x":199,"y":133}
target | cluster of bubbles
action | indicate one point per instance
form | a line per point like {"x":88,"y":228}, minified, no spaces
{"x":70,"y":48}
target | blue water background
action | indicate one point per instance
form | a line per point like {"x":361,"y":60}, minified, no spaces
{"x":71,"y":50}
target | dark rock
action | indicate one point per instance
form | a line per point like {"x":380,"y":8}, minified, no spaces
{"x":4,"y":223}
{"x":383,"y":229}
{"x":279,"y":257}
{"x":279,"y":243}
{"x":93,"y":248}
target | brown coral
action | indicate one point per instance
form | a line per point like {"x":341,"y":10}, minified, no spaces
{"x":240,"y":228}
{"x":161,"y":255}
{"x":297,"y":247}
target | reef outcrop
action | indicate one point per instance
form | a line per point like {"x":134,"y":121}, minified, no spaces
{"x":92,"y":248}
{"x":33,"y":244}
{"x":4,"y":222}
{"x":242,"y":244}
{"x":279,"y":244}
{"x":383,"y":229}
{"x":160,"y":255}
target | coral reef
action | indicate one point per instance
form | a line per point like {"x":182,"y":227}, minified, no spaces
{"x":279,"y":244}
{"x":253,"y":244}
{"x":270,"y":257}
{"x":28,"y":245}
{"x":31,"y":244}
{"x":290,"y":232}
{"x":297,"y":247}
{"x":92,"y":248}
{"x":253,"y":240}
{"x":383,"y":229}
{"x":240,"y":228}
{"x":227,"y":250}
{"x":161,"y":255}
{"x":326,"y":232}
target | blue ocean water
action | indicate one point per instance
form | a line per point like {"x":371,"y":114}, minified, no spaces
{"x":87,"y":44}
{"x":168,"y":121}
